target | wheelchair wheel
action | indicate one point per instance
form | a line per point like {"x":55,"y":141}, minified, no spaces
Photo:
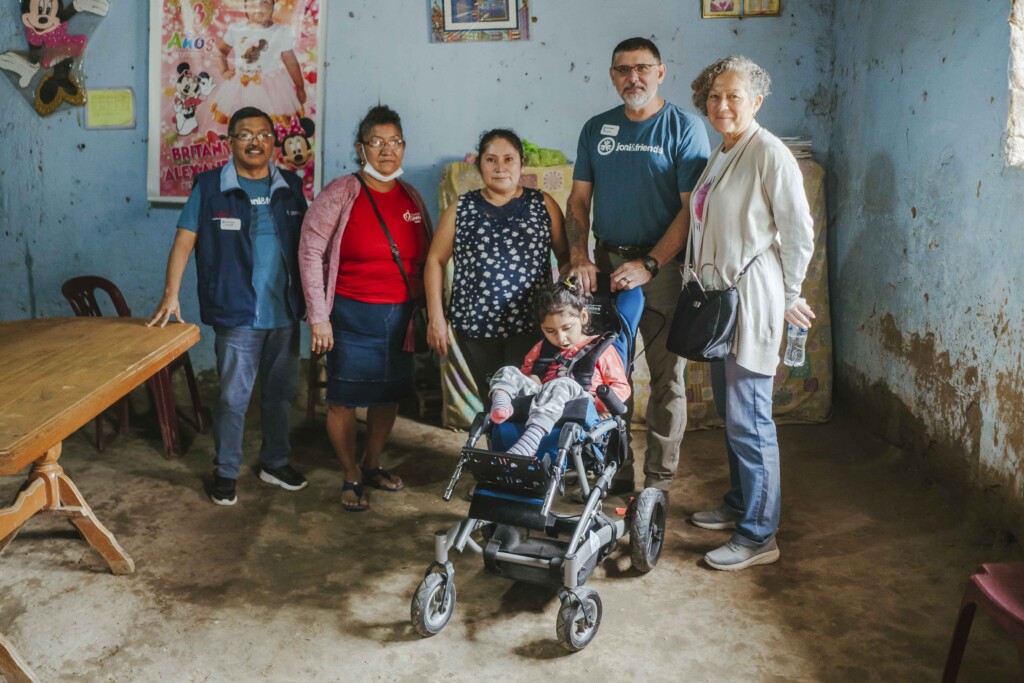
{"x":430,"y":614}
{"x":574,"y":629}
{"x":647,"y":529}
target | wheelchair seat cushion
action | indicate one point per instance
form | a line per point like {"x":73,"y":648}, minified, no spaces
{"x":579,"y":410}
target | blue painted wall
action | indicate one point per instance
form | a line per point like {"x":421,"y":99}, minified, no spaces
{"x":927,"y":238}
{"x":907,"y":109}
{"x":73,"y":201}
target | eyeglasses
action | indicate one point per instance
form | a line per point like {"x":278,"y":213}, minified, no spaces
{"x":641,"y":69}
{"x":377,"y":143}
{"x":249,"y":137}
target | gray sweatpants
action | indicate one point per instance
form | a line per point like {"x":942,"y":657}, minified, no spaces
{"x":550,"y":398}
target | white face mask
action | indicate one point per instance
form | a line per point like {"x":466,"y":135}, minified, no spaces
{"x":369,"y":170}
{"x":374,"y":173}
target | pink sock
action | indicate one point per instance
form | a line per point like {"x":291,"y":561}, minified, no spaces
{"x":501,"y":406}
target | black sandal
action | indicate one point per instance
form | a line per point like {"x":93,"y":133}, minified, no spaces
{"x":375,"y":476}
{"x":356,"y":488}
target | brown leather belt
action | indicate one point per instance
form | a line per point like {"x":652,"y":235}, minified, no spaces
{"x":628,"y":253}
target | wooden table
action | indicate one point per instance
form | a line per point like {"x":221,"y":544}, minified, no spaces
{"x":56,"y":375}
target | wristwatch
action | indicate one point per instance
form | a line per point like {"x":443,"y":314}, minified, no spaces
{"x":651,"y":264}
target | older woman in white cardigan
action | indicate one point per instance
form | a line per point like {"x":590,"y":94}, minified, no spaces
{"x":749,"y":207}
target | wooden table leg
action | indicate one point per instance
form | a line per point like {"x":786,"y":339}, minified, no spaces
{"x":49,"y":489}
{"x":12,"y":667}
{"x":96,"y":534}
{"x":30,"y":500}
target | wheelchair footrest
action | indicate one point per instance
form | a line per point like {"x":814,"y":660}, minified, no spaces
{"x":524,"y":474}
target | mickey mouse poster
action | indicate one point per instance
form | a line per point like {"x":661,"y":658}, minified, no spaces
{"x":189,"y":92}
{"x":49,"y":72}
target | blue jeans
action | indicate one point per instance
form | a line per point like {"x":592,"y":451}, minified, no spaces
{"x":744,"y":399}
{"x":241,"y":353}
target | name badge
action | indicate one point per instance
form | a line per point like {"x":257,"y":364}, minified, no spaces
{"x":609,"y":129}
{"x":230,"y":223}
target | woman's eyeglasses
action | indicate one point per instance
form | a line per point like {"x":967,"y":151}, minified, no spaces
{"x":377,"y":143}
{"x":641,"y":69}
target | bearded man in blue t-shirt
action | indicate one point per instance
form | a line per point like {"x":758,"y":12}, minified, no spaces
{"x":636,"y":165}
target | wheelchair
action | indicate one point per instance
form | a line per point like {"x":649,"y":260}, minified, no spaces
{"x":511,"y":521}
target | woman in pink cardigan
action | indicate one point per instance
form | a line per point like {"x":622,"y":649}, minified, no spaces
{"x":360,"y":296}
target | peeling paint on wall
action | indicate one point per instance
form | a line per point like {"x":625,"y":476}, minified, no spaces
{"x":927,"y":238}
{"x":946,"y":391}
{"x":994,"y":492}
{"x":1015,"y":118}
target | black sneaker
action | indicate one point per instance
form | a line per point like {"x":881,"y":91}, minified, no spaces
{"x":223,"y":492}
{"x":285,"y":476}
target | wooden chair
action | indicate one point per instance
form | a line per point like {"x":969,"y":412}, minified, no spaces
{"x":999,"y":589}
{"x":81,"y":294}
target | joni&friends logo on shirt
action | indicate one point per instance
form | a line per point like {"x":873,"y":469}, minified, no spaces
{"x":608,"y":145}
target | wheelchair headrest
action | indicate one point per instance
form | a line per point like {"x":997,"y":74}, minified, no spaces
{"x":617,"y":312}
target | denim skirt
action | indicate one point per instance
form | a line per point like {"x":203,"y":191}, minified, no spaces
{"x":367,"y":365}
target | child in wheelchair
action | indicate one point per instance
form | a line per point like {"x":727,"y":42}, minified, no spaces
{"x":569,"y":392}
{"x":567,"y":364}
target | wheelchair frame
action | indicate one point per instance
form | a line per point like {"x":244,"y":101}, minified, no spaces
{"x":594,"y":536}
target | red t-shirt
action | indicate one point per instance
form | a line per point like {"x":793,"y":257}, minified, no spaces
{"x":367,"y":271}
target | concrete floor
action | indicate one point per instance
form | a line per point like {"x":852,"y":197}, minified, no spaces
{"x":289,"y":587}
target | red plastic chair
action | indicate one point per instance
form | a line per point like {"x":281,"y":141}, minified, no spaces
{"x":81,"y":294}
{"x":999,"y":589}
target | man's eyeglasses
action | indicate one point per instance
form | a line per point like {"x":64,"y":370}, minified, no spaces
{"x":641,"y":69}
{"x":378,"y":143}
{"x":249,"y":137}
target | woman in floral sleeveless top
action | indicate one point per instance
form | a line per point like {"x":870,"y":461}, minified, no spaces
{"x":501,"y":238}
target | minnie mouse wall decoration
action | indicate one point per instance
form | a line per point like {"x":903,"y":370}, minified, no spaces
{"x":296,"y":143}
{"x":52,"y":50}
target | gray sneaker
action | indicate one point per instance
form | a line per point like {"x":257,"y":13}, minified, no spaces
{"x":722,"y":518}
{"x":732,"y":555}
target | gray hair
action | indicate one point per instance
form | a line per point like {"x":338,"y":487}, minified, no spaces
{"x":758,"y":80}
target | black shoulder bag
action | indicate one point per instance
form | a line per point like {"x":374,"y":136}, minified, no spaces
{"x":416,"y":332}
{"x":704,"y":323}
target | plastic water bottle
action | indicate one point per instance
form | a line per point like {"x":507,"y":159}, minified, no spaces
{"x":796,"y":341}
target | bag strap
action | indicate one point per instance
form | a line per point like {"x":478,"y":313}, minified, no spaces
{"x":692,"y":251}
{"x":744,"y":271}
{"x":387,"y":233}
